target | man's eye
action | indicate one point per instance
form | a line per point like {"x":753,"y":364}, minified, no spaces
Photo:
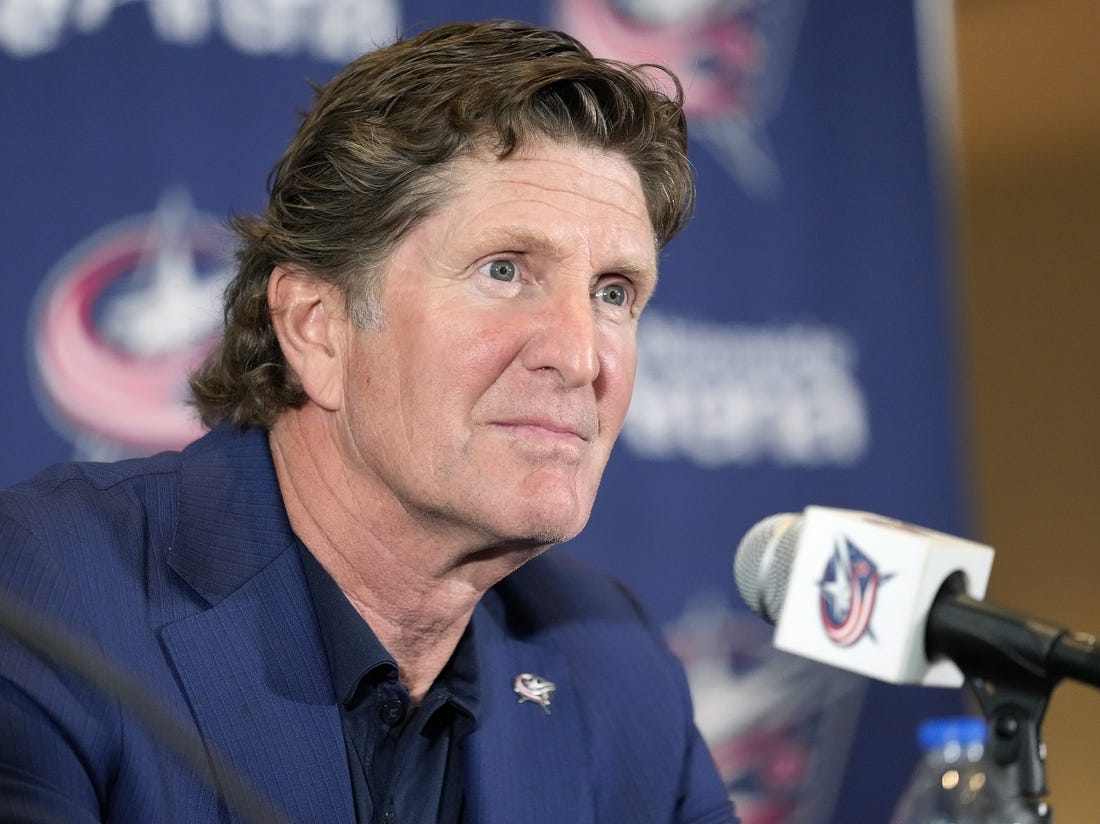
{"x":502,"y":270}
{"x":615,"y":294}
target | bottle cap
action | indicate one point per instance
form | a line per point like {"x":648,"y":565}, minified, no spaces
{"x":935,"y":733}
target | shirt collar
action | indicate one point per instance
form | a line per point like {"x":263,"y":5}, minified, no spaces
{"x":355,"y":654}
{"x":353,"y":649}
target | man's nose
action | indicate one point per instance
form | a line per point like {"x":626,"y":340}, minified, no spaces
{"x":564,"y":338}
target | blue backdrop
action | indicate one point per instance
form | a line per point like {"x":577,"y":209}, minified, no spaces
{"x":798,"y":351}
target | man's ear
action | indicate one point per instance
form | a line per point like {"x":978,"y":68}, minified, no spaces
{"x":309,"y":317}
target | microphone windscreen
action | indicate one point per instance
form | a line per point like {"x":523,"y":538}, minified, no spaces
{"x":763,"y":561}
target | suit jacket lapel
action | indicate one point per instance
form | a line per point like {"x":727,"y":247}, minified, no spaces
{"x":252,"y":663}
{"x":523,"y":763}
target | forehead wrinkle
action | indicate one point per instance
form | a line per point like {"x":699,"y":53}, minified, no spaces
{"x":520,"y":178}
{"x":586,"y":197}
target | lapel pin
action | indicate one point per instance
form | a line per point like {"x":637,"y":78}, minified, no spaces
{"x":534,"y":688}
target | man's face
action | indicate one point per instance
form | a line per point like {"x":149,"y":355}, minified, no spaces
{"x":488,"y":400}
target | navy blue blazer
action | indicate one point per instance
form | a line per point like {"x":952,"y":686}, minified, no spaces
{"x":182,"y":570}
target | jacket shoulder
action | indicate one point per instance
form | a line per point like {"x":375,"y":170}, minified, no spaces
{"x":71,"y":510}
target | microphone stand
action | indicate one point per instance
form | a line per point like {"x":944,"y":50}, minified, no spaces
{"x":1014,"y":709}
{"x":1011,"y":665}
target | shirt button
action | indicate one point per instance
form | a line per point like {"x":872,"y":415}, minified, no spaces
{"x":393,"y":711}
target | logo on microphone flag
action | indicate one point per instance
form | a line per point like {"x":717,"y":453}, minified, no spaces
{"x":834,"y":587}
{"x":848,"y":590}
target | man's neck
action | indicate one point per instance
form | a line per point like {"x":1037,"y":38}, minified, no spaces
{"x":416,"y":584}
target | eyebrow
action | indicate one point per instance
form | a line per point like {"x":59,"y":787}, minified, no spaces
{"x":538,"y":240}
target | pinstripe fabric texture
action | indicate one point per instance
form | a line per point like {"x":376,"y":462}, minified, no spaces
{"x":180,"y":569}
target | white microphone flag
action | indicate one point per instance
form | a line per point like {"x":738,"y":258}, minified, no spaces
{"x":860,"y":590}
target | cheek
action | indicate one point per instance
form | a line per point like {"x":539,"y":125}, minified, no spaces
{"x":453,"y":363}
{"x":477,"y":343}
{"x":618,"y":364}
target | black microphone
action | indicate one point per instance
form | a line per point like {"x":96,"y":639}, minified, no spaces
{"x":982,"y":639}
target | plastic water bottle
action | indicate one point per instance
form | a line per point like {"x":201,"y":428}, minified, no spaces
{"x":954,"y":782}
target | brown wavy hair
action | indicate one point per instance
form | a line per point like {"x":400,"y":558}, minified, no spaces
{"x":364,"y":167}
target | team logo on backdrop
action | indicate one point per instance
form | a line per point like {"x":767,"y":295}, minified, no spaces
{"x":121,"y":321}
{"x":732,"y":58}
{"x":779,"y":727}
{"x":848,"y":590}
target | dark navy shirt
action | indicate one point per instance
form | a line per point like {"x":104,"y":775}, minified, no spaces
{"x":405,"y":764}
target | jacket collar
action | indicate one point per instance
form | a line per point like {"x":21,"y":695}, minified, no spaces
{"x":232,"y":521}
{"x":251,"y":662}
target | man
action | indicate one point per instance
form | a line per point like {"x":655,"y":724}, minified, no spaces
{"x":429,"y":352}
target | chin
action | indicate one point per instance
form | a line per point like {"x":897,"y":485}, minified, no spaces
{"x":541,"y":529}
{"x":507,"y":547}
{"x":549,"y":534}
{"x":536,"y":515}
